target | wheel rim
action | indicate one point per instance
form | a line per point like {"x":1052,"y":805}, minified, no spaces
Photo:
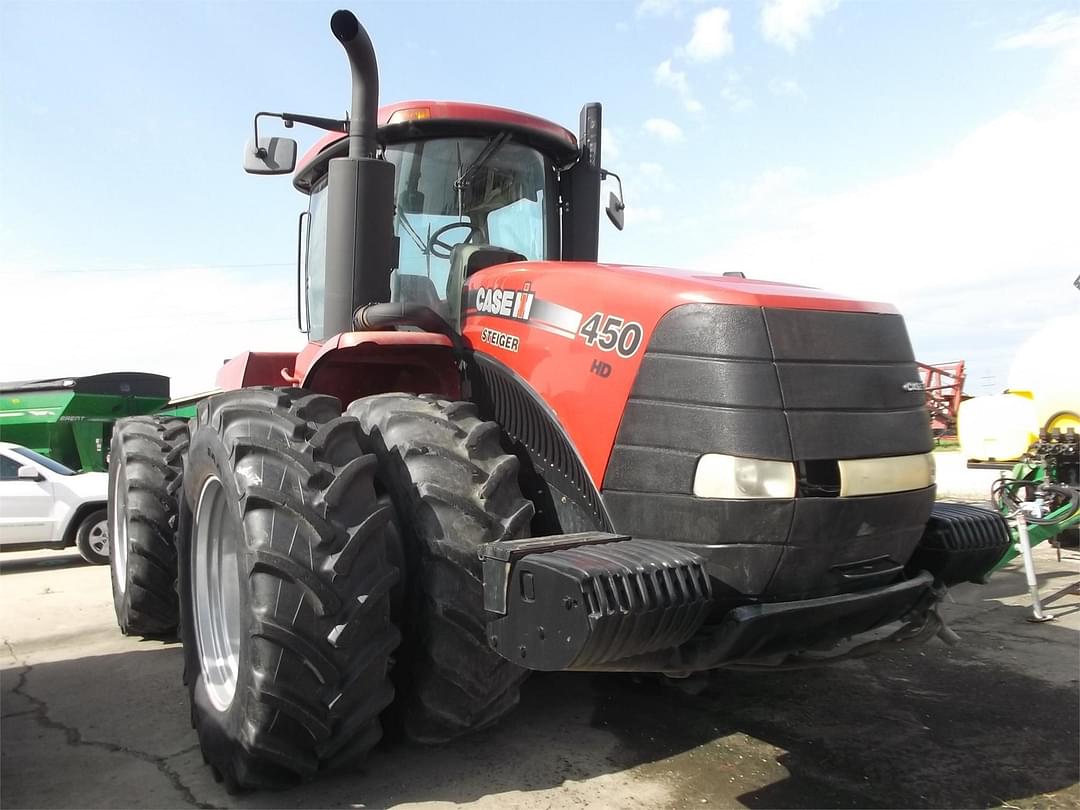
{"x":216,"y":592}
{"x":98,"y":538}
{"x":119,"y":533}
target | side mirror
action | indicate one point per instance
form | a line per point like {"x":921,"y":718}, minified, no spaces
{"x":615,"y":209}
{"x":28,"y":473}
{"x":270,"y":156}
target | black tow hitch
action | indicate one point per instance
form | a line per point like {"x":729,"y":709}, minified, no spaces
{"x":579,"y":601}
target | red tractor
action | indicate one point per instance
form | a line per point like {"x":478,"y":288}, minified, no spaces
{"x":546,"y":463}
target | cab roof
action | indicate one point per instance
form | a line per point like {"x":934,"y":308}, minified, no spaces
{"x":412,"y":120}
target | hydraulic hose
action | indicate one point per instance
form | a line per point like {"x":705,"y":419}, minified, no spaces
{"x":403,"y":313}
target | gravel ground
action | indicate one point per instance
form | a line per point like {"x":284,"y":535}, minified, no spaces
{"x":92,"y":719}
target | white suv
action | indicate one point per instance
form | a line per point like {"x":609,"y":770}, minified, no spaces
{"x":43,"y":504}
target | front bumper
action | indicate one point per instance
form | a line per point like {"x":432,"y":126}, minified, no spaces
{"x":599,"y":602}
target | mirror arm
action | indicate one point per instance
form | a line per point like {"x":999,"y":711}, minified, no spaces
{"x":289,"y":119}
{"x":604,"y":175}
{"x":259,"y":151}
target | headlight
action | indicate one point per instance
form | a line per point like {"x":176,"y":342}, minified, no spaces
{"x":720,"y":476}
{"x":879,"y":476}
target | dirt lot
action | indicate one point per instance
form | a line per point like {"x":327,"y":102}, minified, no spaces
{"x":91,"y":719}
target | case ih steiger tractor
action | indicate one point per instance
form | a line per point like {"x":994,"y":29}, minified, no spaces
{"x":545,"y":463}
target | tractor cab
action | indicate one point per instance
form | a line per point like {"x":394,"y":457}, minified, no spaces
{"x":474,"y":186}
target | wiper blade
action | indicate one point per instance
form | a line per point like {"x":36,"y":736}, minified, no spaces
{"x":493,"y":146}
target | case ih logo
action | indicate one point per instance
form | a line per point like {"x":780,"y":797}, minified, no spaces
{"x":523,"y":305}
{"x":516,"y":304}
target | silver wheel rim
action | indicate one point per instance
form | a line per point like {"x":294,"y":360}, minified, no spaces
{"x":216,"y":592}
{"x":99,"y":538}
{"x":119,"y":533}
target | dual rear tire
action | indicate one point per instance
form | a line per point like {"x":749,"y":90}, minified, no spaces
{"x":145,"y":476}
{"x":306,"y":540}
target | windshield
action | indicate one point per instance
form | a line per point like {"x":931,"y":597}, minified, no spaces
{"x":484,"y":191}
{"x":44,"y":461}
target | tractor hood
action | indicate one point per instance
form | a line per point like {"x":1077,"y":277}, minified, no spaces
{"x":649,"y":370}
{"x":578,"y":332}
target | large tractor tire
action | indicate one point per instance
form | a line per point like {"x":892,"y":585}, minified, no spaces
{"x":454,"y":488}
{"x":146,"y":466}
{"x":285,"y":581}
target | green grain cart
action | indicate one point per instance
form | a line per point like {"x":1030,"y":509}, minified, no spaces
{"x":70,"y":419}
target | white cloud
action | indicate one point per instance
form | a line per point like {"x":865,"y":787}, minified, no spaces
{"x":1056,"y":30}
{"x":712,"y":35}
{"x":786,"y":87}
{"x":666,"y":76}
{"x":1059,"y":33}
{"x":665,"y":130}
{"x":655,"y":8}
{"x":975,"y":247}
{"x":663,"y":8}
{"x":182,"y":323}
{"x":732,"y":89}
{"x":785,"y":22}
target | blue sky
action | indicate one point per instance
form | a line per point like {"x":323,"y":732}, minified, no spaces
{"x":918,"y":152}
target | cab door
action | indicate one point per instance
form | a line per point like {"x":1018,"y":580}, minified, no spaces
{"x":26,"y":506}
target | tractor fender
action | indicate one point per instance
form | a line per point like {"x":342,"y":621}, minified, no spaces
{"x":351,"y":365}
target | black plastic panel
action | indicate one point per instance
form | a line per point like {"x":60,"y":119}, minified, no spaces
{"x":759,"y":433}
{"x":830,"y":537}
{"x":648,"y":469}
{"x":731,"y":383}
{"x":835,"y":434}
{"x":802,"y":385}
{"x":813,"y":335}
{"x":699,"y":521}
{"x":741,"y":541}
{"x":712,"y":330}
{"x":849,"y":386}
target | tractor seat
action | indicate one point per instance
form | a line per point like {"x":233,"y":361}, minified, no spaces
{"x":467,"y":259}
{"x":415,"y":289}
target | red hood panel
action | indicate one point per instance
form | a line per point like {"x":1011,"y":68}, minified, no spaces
{"x":576,"y":332}
{"x":685,"y":286}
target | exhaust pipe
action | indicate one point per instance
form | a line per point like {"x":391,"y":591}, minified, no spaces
{"x":365,"y":82}
{"x":361,"y":248}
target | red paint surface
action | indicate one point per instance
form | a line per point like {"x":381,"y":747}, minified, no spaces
{"x":352,"y":365}
{"x":255,"y":368}
{"x":454,"y":111}
{"x":358,"y":364}
{"x":559,"y":368}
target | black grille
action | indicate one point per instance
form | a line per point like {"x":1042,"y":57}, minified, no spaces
{"x":806,"y":386}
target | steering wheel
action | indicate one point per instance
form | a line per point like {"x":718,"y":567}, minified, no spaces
{"x":440,"y":249}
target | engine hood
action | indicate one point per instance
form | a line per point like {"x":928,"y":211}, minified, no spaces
{"x":577,"y":332}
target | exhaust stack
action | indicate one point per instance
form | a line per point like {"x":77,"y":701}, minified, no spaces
{"x":365,"y":82}
{"x":360,"y":242}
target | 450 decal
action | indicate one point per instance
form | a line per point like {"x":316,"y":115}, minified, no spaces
{"x":611,"y":334}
